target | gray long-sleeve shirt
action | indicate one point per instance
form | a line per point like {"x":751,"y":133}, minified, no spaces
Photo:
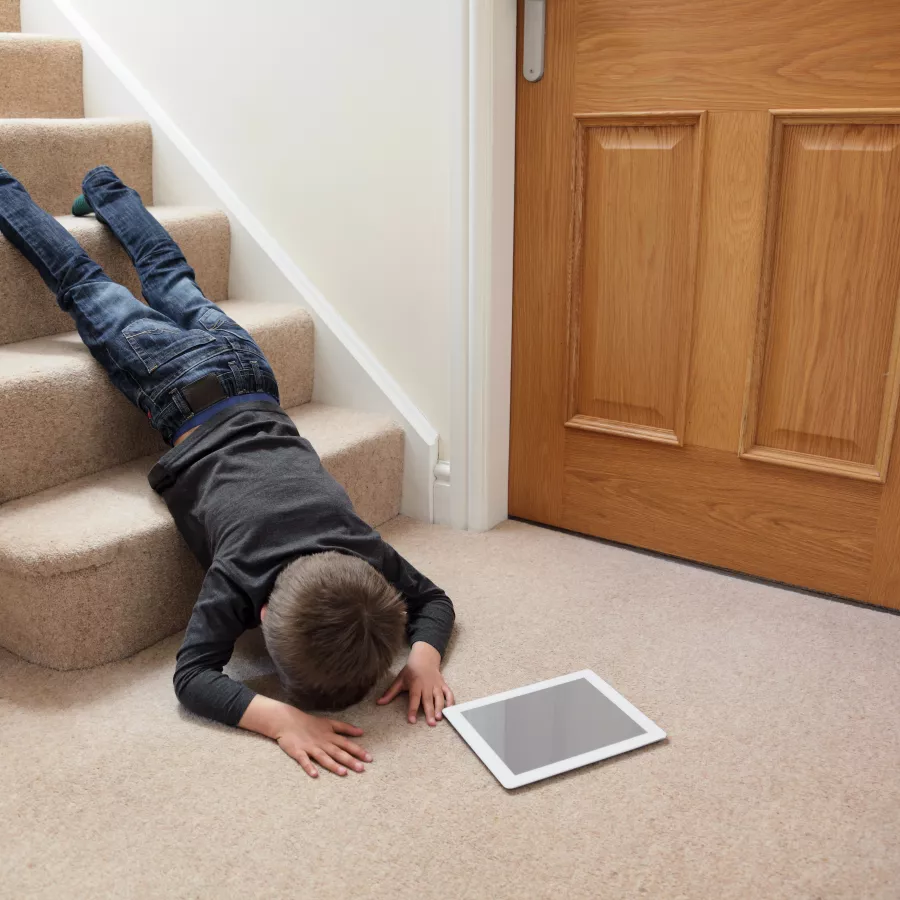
{"x":250,"y":496}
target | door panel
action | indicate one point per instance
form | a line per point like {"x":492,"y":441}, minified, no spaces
{"x":637,"y":193}
{"x":706,"y":351}
{"x":734,"y":54}
{"x":823,"y":391}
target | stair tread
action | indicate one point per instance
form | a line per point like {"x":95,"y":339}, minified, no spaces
{"x":82,"y":523}
{"x":51,"y":156}
{"x":75,"y":124}
{"x":35,"y":38}
{"x":166,"y":215}
{"x":28,"y":309}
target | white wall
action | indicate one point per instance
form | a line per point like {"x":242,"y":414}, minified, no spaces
{"x":331,"y":120}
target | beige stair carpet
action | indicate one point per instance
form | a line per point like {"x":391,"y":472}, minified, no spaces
{"x":99,"y":564}
{"x":40,"y":77}
{"x":28,"y":309}
{"x":92,"y":567}
{"x":779,"y":780}
{"x":9,"y":15}
{"x":71,"y":421}
{"x":51,"y":156}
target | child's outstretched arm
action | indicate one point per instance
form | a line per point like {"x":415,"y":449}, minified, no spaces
{"x":429,"y":626}
{"x":221,"y":614}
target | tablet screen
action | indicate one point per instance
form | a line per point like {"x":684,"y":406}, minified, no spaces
{"x":551,"y":724}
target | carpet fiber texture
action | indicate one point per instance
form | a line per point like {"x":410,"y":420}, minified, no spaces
{"x":779,"y":778}
{"x":40,"y":76}
{"x":51,"y":156}
{"x":9,"y":15}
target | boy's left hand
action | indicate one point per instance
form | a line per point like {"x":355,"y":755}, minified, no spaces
{"x":421,"y":677}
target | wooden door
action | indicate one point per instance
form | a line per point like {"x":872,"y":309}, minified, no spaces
{"x":706,"y":344}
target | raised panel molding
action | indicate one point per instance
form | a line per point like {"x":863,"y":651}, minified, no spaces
{"x":637,"y":184}
{"x":824,"y":373}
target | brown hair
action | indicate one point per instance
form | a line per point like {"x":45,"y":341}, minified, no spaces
{"x":333,"y":628}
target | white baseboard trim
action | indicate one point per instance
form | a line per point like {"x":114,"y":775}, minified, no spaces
{"x":347,"y":372}
{"x":442,"y":503}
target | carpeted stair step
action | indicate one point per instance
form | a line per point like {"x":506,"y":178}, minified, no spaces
{"x":9,"y":15}
{"x":62,"y":418}
{"x":51,"y":156}
{"x":95,"y":570}
{"x":40,"y":77}
{"x":28,"y":309}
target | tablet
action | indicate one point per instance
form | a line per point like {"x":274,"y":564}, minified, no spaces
{"x":551,"y":727}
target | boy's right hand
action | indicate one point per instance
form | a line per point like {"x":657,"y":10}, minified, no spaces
{"x":307,"y":738}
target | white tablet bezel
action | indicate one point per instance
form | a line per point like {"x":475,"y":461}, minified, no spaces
{"x":508,"y":779}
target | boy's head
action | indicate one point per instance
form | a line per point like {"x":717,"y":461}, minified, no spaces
{"x":332,"y":627}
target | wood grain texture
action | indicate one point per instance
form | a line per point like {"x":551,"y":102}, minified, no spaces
{"x":540,"y":273}
{"x":729,"y":258}
{"x":736,"y":54}
{"x":710,"y":506}
{"x":634,"y":240}
{"x":825,"y":377}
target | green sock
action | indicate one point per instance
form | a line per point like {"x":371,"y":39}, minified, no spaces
{"x":81,"y":207}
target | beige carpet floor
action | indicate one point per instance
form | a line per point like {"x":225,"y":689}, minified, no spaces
{"x":780,"y":778}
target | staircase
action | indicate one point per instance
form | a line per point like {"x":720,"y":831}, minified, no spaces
{"x":92,"y":568}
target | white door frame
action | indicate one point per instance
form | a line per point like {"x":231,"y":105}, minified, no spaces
{"x":483,"y":121}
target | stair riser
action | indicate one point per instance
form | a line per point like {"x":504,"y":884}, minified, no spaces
{"x":146,"y":591}
{"x":28,"y":309}
{"x":40,"y":78}
{"x":9,"y":15}
{"x":51,"y":157}
{"x":73,"y":422}
{"x":111,"y":612}
{"x":375,"y":489}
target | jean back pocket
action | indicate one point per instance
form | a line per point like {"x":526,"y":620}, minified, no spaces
{"x":155,"y":342}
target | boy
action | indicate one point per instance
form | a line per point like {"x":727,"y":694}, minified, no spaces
{"x":277,"y":535}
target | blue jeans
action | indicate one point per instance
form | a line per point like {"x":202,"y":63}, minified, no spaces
{"x":178,"y":358}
